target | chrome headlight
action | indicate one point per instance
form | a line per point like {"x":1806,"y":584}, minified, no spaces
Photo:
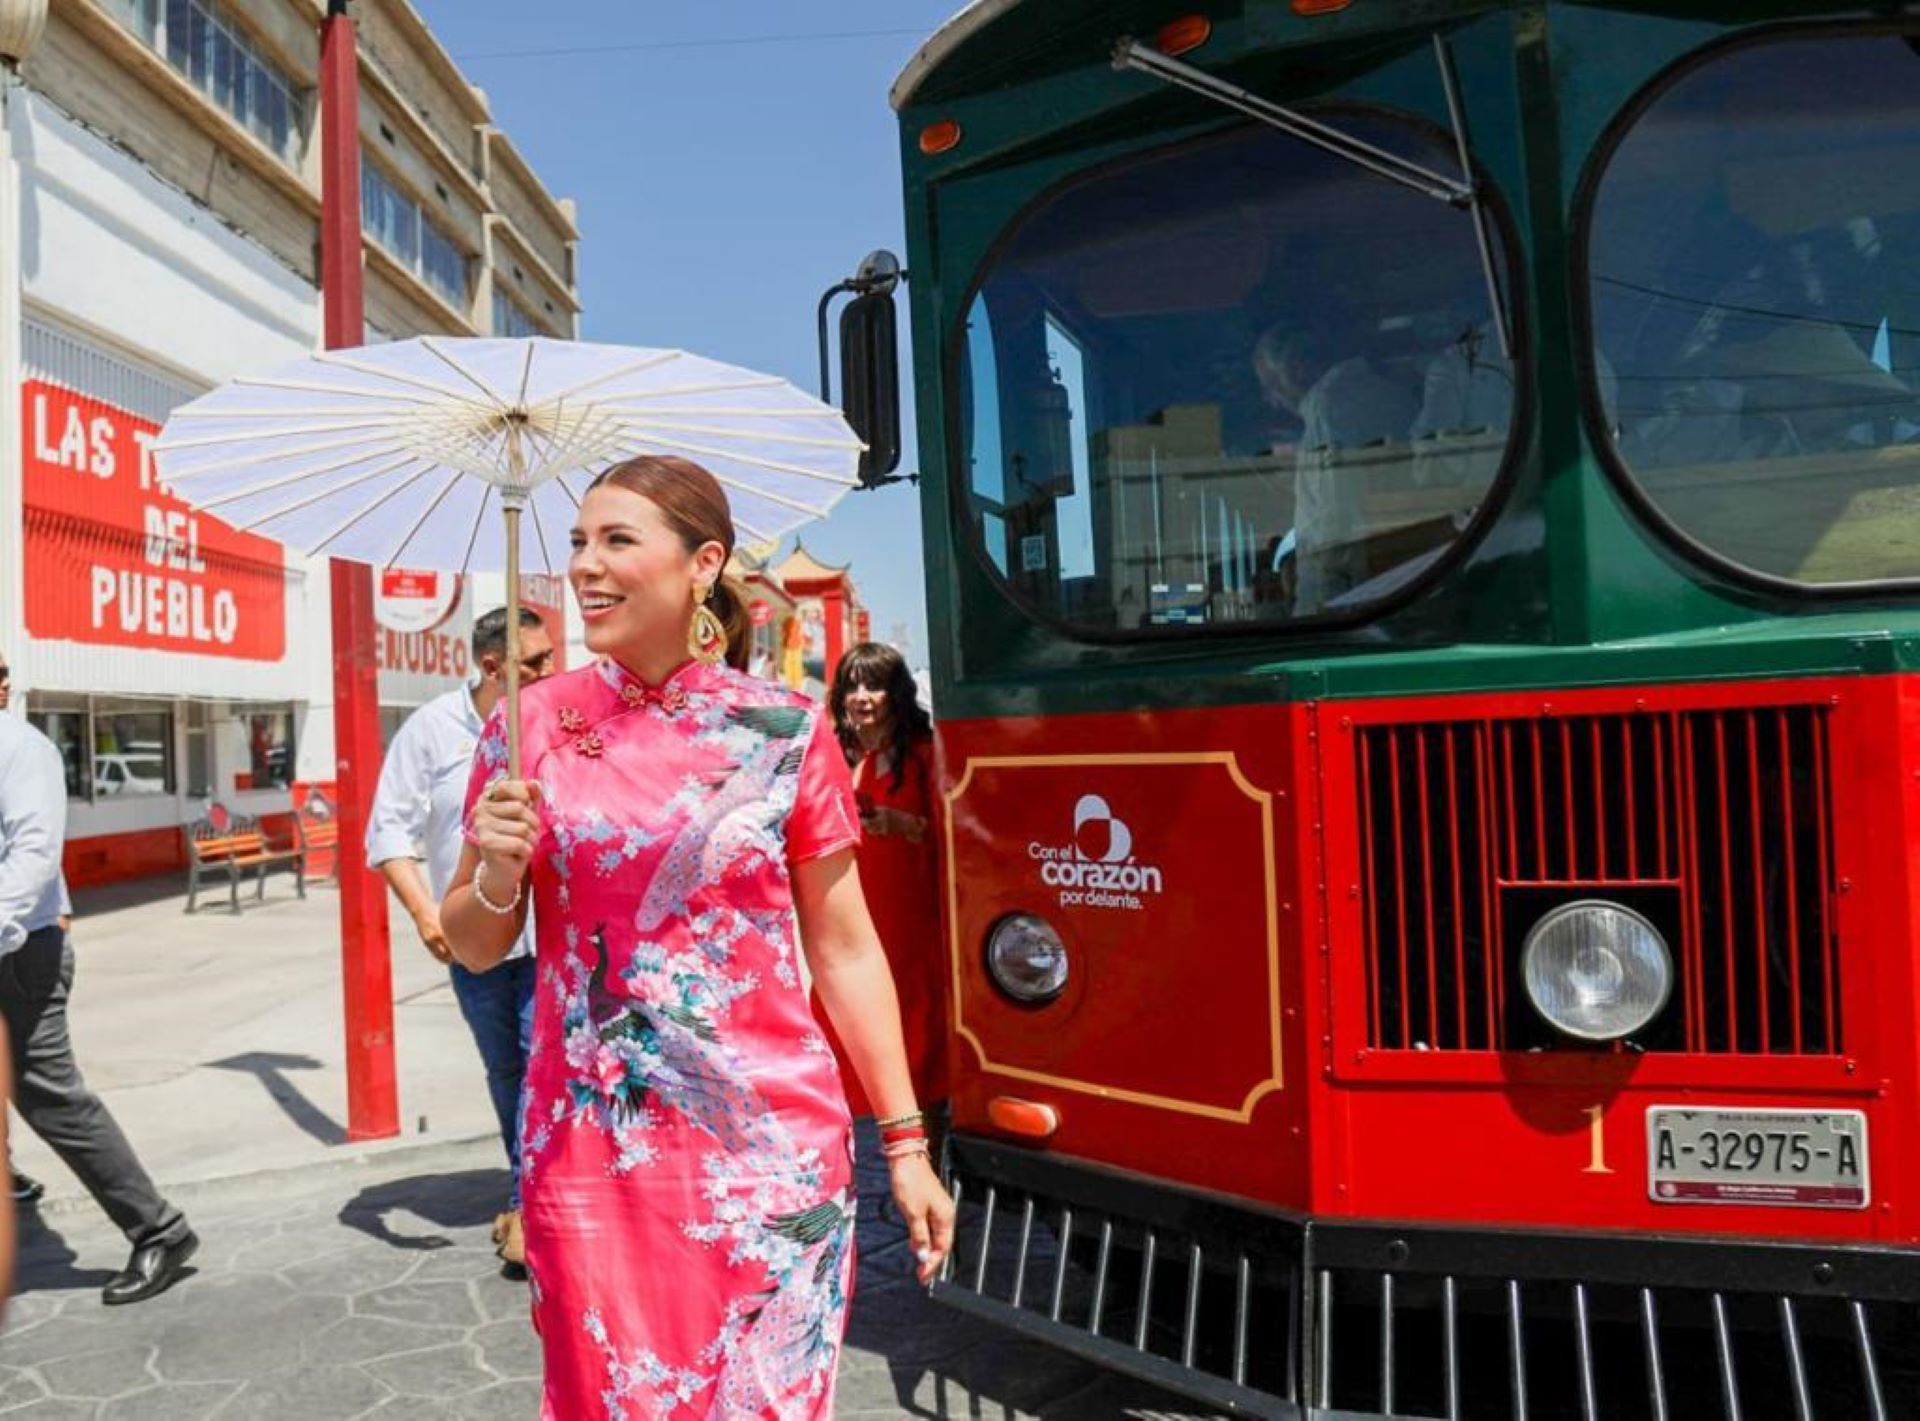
{"x":1027,"y":959}
{"x":1596,"y":970}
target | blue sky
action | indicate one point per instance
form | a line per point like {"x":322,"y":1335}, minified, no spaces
{"x":722,"y":187}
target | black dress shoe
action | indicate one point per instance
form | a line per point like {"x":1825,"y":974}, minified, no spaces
{"x":153,"y":1268}
{"x":26,"y":1189}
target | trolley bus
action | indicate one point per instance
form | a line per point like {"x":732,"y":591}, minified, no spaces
{"x":1422,"y":519}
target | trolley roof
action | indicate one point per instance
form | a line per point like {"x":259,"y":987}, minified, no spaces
{"x":963,"y":26}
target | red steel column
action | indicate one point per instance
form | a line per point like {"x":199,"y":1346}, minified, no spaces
{"x":366,"y":965}
{"x":833,"y":606}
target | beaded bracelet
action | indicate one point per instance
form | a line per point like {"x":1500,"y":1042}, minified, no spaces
{"x":480,"y":892}
{"x":905,"y":1149}
{"x":917,"y":1117}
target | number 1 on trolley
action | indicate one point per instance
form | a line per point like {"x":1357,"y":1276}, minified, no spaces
{"x":1596,"y":1140}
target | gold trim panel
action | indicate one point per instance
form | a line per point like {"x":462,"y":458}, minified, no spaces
{"x":1226,"y":760}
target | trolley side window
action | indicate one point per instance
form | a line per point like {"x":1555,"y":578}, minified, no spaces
{"x":1754,"y":281}
{"x":1233,"y":382}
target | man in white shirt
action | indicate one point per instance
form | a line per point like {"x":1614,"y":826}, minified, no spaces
{"x":36,"y":977}
{"x":1343,"y":405}
{"x":417,"y":810}
{"x":25,"y":1190}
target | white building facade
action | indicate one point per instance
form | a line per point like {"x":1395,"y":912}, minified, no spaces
{"x":159,"y":210}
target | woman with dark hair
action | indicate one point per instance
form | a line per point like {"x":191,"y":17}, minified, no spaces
{"x":687,"y":1171}
{"x":888,"y":737}
{"x":736,"y":623}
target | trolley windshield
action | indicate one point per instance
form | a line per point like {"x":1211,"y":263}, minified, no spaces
{"x":1233,"y":382}
{"x":1754,"y":268}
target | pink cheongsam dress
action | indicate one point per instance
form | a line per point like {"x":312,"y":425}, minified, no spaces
{"x":687,"y":1153}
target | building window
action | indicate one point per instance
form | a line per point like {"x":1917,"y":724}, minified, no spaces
{"x":269,"y":741}
{"x":396,"y":222}
{"x":198,"y":39}
{"x":442,"y":263}
{"x":112,"y":749}
{"x":63,"y":720}
{"x":116,"y":748}
{"x":132,"y":749}
{"x":199,"y":752}
{"x":510,"y":318}
{"x":388,"y":216}
{"x":140,"y":16}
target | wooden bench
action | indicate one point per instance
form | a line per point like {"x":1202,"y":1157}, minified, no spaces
{"x":316,"y":830}
{"x":230,"y":843}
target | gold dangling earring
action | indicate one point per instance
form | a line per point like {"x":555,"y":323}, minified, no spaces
{"x":706,"y":635}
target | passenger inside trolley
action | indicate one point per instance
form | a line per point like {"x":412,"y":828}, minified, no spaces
{"x":1343,"y":403}
{"x":1755,"y":280}
{"x":1272,"y":399}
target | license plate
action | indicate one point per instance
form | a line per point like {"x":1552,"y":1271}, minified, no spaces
{"x":1809,"y":1159}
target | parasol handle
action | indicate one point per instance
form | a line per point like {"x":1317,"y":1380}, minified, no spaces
{"x":513,"y":639}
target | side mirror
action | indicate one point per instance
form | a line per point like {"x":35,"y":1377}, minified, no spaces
{"x":870,"y":381}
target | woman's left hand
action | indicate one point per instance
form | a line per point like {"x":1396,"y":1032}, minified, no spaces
{"x":924,"y":1203}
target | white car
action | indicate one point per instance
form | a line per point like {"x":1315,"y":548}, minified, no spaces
{"x":129,"y":774}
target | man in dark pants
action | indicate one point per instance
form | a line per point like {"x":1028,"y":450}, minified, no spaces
{"x":418,"y":814}
{"x":36,"y":976}
{"x":25,"y":1190}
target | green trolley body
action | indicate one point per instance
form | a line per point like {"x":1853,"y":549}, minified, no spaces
{"x":1422,"y":517}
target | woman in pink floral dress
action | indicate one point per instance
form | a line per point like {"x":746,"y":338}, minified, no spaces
{"x":687,"y":1155}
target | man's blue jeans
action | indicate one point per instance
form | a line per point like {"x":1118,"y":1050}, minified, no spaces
{"x":498,"y":1006}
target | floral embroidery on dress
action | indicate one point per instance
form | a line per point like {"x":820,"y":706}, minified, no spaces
{"x":654,"y":1038}
{"x":788,"y":1331}
{"x":645,"y":1374}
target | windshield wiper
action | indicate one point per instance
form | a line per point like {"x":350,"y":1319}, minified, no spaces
{"x":1462,"y":192}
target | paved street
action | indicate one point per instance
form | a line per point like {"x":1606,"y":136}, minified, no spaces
{"x":369,"y":1289}
{"x":340,"y":1281}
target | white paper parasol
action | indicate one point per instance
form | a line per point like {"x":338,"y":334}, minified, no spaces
{"x":428,"y":452}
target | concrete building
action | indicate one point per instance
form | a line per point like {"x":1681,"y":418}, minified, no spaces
{"x":159,"y":210}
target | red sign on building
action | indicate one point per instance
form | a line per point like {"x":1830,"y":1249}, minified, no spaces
{"x":114,"y":559}
{"x":547,"y":596}
{"x":409,"y":583}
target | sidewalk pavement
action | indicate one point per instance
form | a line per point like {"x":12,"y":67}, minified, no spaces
{"x":217,"y":1040}
{"x":345,"y":1281}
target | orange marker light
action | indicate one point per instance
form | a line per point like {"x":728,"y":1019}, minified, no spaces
{"x":1319,"y":7}
{"x":1022,"y":1117}
{"x":1184,"y":35}
{"x":941,"y":137}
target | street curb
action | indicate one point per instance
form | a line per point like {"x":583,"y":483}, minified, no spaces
{"x":438,"y":1156}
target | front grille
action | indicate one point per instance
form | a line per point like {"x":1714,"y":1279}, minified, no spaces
{"x":1715,"y":824}
{"x":1260,"y":1313}
{"x":1437,"y":1323}
{"x":1192,"y":1293}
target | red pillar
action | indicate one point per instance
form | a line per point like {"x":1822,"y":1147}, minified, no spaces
{"x":366,"y":965}
{"x":833,"y":606}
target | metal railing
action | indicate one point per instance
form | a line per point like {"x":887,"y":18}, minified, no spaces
{"x":1261,"y":1313}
